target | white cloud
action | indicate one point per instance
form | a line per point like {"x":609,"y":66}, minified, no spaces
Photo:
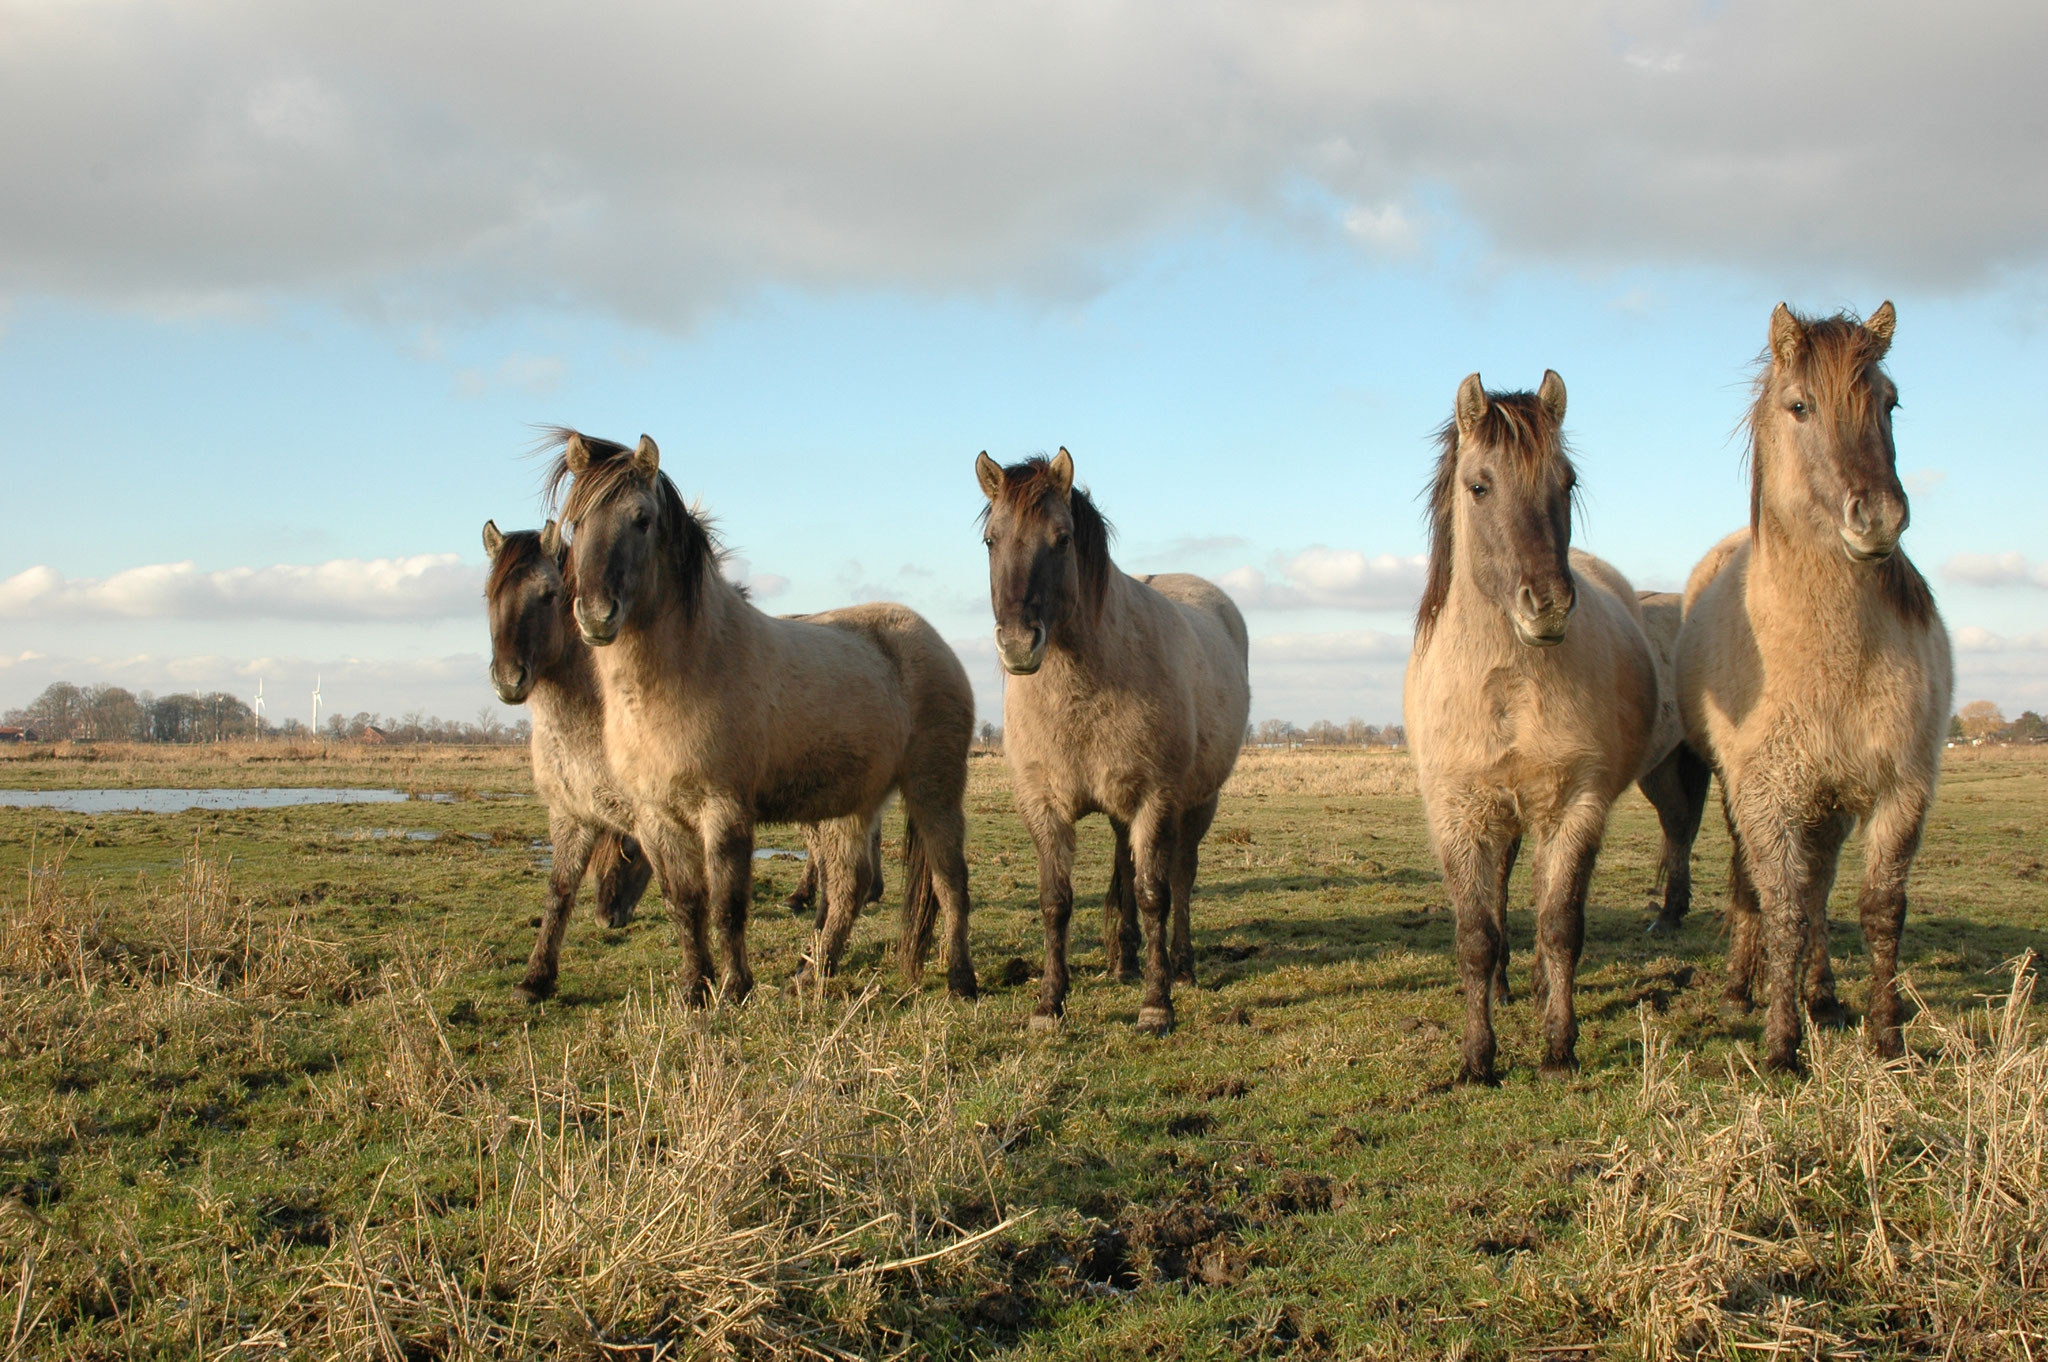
{"x":1972,"y":639}
{"x":657,"y":161}
{"x":1996,"y":569}
{"x":1326,"y":578}
{"x":424,"y":586}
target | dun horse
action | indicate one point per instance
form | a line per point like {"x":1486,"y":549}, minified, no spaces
{"x":718,"y":717}
{"x":1814,"y":673}
{"x":537,"y":660}
{"x":1520,"y":724}
{"x":1127,"y":696}
{"x":1677,"y":785}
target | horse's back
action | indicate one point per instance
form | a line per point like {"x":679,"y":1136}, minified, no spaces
{"x":934,"y":681}
{"x":1203,"y":600}
{"x":1223,"y":695}
{"x":1715,"y":561}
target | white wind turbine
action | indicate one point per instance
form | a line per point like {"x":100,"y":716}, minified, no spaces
{"x":316,"y":702}
{"x":257,"y":709}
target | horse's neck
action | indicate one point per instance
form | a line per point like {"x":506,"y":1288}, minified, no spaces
{"x":566,"y":694}
{"x":1804,"y":592}
{"x":680,"y":649}
{"x":1481,"y":629}
{"x":1097,"y":646}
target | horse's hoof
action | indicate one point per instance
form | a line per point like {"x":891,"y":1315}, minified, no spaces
{"x":1123,"y":974}
{"x":1155,"y":1021}
{"x":1662,"y":926}
{"x":696,"y":992}
{"x":1829,"y":1013}
{"x":1045,"y":1022}
{"x":534,"y":990}
{"x":963,"y":987}
{"x":1557,"y":1070}
{"x":1469,"y":1077}
{"x":1736,"y":1003}
{"x":1184,"y":974}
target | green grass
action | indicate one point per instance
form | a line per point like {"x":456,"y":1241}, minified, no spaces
{"x":263,"y":1083}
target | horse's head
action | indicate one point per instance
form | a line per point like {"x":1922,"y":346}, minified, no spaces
{"x":1048,"y":555}
{"x":1822,"y":429}
{"x":1501,"y":505}
{"x":617,"y":508}
{"x":528,"y":607}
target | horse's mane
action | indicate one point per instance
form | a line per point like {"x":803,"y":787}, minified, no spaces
{"x":1519,"y":426}
{"x":1026,"y":486}
{"x":519,"y":548}
{"x":691,"y":543}
{"x":1834,"y":362}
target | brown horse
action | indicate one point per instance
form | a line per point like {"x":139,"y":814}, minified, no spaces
{"x":537,"y":660}
{"x":1127,"y":696}
{"x":1814,"y":673}
{"x":719,"y":717}
{"x":1520,"y":724}
{"x":804,"y":901}
{"x":1677,"y":785}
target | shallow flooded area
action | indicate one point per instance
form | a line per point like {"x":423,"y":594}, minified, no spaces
{"x":166,"y":800}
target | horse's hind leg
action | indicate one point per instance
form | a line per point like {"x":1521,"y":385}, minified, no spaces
{"x":572,"y":841}
{"x":622,"y":872}
{"x":1565,"y":863}
{"x":873,"y":893}
{"x":938,"y":823}
{"x":839,"y":848}
{"x":803,"y":899}
{"x":1891,"y":839}
{"x":1677,"y":789}
{"x":1120,"y":934}
{"x":1745,"y":923}
{"x":1500,"y":918}
{"x":1153,"y":836}
{"x":1053,"y":838}
{"x":1823,"y":853}
{"x":1194,"y":826}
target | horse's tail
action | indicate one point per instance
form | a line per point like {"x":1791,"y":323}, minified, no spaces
{"x":920,"y":904}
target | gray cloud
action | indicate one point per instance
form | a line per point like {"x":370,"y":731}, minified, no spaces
{"x":1326,"y":578}
{"x":657,"y":161}
{"x":1995,"y":569}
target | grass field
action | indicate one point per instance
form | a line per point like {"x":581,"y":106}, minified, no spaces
{"x":264,"y":1092}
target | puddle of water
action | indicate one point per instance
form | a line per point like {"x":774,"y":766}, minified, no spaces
{"x":772,"y":853}
{"x":383,"y":834}
{"x":177,"y":801}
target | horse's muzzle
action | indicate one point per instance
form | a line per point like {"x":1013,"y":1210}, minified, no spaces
{"x":597,"y":629}
{"x":1024,"y":655}
{"x":512,"y":686}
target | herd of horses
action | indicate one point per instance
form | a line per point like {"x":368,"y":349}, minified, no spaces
{"x":1805,"y":666}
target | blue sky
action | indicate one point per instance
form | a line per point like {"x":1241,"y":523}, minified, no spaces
{"x":281,"y":310}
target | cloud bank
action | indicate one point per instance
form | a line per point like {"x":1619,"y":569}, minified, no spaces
{"x":422,"y":587}
{"x":657,"y":161}
{"x":1326,"y":578}
{"x":1996,"y":569}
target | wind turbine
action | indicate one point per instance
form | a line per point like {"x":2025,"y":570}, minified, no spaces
{"x":316,"y":702}
{"x":257,"y":709}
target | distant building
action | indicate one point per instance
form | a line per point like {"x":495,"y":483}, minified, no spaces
{"x":372,"y":733}
{"x":18,"y":735}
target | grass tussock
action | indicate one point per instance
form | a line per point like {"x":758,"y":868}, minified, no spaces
{"x":1323,"y":772}
{"x":1901,"y":1202}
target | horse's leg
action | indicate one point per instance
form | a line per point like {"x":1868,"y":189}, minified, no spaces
{"x":1473,"y":858}
{"x":1194,"y":826}
{"x":728,"y":837}
{"x":677,"y":856}
{"x":1824,"y":852}
{"x":1677,"y":789}
{"x":1891,"y":839}
{"x":622,"y":873}
{"x":1153,"y":835}
{"x":940,"y":824}
{"x":874,"y":879}
{"x":804,"y":898}
{"x":572,"y":841}
{"x":1053,"y":838}
{"x":1775,"y":848}
{"x":1745,"y":922}
{"x":1120,"y":911}
{"x":1500,"y":918}
{"x":839,"y":848}
{"x":1566,"y":860}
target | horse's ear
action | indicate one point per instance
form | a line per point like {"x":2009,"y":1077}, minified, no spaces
{"x":1062,"y":470}
{"x":551,"y":541}
{"x":575,"y":454}
{"x":1882,"y":323}
{"x":1788,"y":334}
{"x":493,"y":541}
{"x":989,"y":474}
{"x":647,"y":459}
{"x":1471,"y":404}
{"x":1551,"y":395}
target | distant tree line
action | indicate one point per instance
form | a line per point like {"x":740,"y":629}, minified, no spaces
{"x":1980,"y":721}
{"x":1324,"y":733}
{"x":103,"y":713}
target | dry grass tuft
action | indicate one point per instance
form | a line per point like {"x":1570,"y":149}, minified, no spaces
{"x":1323,"y":772}
{"x":1899,"y":1201}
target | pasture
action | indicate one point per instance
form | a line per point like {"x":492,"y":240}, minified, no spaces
{"x":266,"y":1093}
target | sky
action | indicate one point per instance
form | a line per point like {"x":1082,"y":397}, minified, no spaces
{"x":286,"y":289}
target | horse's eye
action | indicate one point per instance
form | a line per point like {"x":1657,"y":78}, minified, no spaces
{"x":1799,"y":408}
{"x":1478,"y":489}
{"x":988,"y":541}
{"x":642,"y":521}
{"x":1059,"y":541}
{"x":547,"y":594}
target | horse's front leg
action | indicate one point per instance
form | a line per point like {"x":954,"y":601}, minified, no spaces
{"x":728,"y":836}
{"x":572,"y":842}
{"x":1892,"y":838}
{"x":1052,"y":835}
{"x":1187,"y":857}
{"x":1774,"y":849}
{"x":673,"y":849}
{"x":1154,"y":838}
{"x":1500,"y":920}
{"x":1120,"y":911}
{"x":1474,"y":872}
{"x":1823,"y":853}
{"x":1564,"y":871}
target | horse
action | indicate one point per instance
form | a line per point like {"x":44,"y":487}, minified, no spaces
{"x":803,"y":901}
{"x":1814,"y":674}
{"x":718,"y":717}
{"x":1677,"y":785}
{"x":1126,"y":696}
{"x":1530,"y":700}
{"x":537,"y":660}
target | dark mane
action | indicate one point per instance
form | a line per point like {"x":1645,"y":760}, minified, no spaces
{"x":521,"y":548}
{"x":1834,"y":361}
{"x":1027,"y":486}
{"x":691,"y":546}
{"x":1518,"y":425}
